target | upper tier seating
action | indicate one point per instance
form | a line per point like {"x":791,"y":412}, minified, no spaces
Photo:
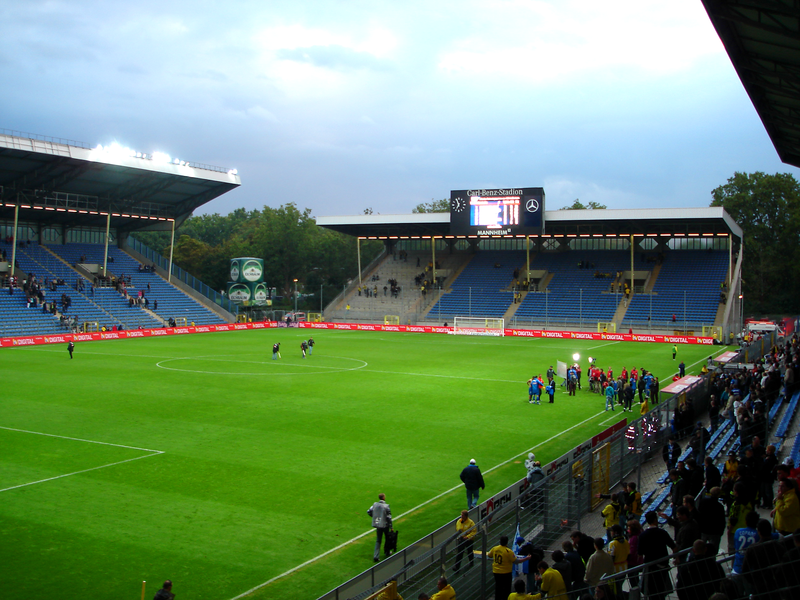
{"x":575,"y":294}
{"x":172,"y":302}
{"x":481,"y":288}
{"x":702,"y":291}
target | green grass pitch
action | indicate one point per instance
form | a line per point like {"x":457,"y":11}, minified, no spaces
{"x":199,"y":459}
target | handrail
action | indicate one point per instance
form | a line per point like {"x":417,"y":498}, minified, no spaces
{"x":182,"y":275}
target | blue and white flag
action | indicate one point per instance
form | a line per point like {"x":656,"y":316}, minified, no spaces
{"x":515,"y":548}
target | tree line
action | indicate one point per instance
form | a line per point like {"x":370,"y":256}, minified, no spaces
{"x":288,"y":239}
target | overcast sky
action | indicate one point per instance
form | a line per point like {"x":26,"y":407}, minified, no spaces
{"x":340,"y":105}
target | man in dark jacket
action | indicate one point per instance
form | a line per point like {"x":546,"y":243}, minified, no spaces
{"x":473,"y":481}
{"x":701,"y":576}
{"x":671,"y":452}
{"x":712,"y":520}
{"x":165,"y":593}
{"x":713,"y":478}
{"x":679,"y":489}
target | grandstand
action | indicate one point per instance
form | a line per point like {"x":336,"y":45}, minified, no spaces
{"x":59,"y":200}
{"x":673,"y":264}
{"x":692,"y":299}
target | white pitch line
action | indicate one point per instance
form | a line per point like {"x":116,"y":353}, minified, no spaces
{"x":408,"y":512}
{"x":613,"y":418}
{"x":156,"y":453}
{"x":602,"y":345}
{"x":64,"y":437}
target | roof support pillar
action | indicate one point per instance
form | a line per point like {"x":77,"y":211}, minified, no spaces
{"x":105,"y":252}
{"x":433,"y":256}
{"x":14,"y":241}
{"x":171,"y":251}
{"x":631,"y":264}
{"x":358,"y":251}
{"x":528,"y":260}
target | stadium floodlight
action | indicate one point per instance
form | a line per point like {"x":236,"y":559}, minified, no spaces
{"x":576,"y":357}
{"x":161,"y":157}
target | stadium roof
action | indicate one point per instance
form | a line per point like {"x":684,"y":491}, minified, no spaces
{"x":70,"y":184}
{"x":606,"y":222}
{"x":762,"y":38}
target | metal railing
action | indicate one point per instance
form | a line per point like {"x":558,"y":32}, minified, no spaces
{"x":545,"y":513}
{"x":154,"y":257}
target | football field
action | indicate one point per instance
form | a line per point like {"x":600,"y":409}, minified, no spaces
{"x":200,"y":459}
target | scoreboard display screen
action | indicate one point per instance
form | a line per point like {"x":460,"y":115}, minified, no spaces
{"x":497,"y":212}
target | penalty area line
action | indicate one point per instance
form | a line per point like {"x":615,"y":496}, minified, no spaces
{"x":400,"y":516}
{"x":14,"y":487}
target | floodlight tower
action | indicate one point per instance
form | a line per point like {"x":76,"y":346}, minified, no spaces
{"x":295,"y":300}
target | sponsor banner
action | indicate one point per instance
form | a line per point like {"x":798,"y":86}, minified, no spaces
{"x":614,"y":337}
{"x":684,"y":383}
{"x":531,"y":333}
{"x":726,"y":357}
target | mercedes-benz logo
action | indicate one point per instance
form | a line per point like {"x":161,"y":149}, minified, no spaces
{"x":532,"y":205}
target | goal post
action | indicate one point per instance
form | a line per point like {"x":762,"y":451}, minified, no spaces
{"x":606,"y":327}
{"x":712,"y":331}
{"x":314,"y":317}
{"x":478,"y":326}
{"x":391,"y":319}
{"x":180,"y":321}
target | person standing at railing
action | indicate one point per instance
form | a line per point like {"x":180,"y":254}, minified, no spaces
{"x":503,"y":560}
{"x":655,"y":545}
{"x":466,"y":530}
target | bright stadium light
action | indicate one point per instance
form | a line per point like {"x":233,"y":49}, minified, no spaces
{"x":161,"y":157}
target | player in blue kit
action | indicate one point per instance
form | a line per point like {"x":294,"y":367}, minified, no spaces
{"x":535,"y":386}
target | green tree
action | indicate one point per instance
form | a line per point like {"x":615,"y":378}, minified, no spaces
{"x":767,"y":208}
{"x":288,"y":239}
{"x":578,"y":205}
{"x":434,"y":206}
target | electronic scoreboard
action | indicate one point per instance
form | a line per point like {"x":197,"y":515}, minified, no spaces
{"x":497,"y":212}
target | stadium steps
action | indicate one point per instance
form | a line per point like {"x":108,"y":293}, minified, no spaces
{"x":720,"y":314}
{"x":619,"y":314}
{"x":651,"y":281}
{"x":513,"y":308}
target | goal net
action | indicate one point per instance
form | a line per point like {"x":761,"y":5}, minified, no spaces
{"x":478,"y":326}
{"x":606,"y":327}
{"x":391,"y":319}
{"x":714,"y":331}
{"x":314,"y":317}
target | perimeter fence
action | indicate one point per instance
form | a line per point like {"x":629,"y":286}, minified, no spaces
{"x":544,"y":513}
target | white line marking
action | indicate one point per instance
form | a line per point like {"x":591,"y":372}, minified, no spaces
{"x":64,"y":437}
{"x":613,"y":418}
{"x":602,"y":345}
{"x":408,"y":512}
{"x":78,"y":472}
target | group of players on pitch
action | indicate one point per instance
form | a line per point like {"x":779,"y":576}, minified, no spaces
{"x":306,"y":347}
{"x":621,"y":390}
